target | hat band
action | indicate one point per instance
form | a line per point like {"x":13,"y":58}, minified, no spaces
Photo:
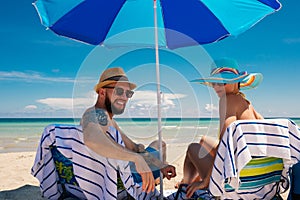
{"x":249,"y":82}
{"x":224,"y":69}
{"x":116,"y":78}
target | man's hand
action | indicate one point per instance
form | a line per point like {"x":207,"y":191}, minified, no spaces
{"x":168,"y":171}
{"x":140,"y":148}
{"x":147,"y":177}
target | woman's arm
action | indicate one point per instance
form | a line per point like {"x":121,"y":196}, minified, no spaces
{"x":228,"y":112}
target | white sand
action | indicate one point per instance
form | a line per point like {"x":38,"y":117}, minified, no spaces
{"x":16,"y":182}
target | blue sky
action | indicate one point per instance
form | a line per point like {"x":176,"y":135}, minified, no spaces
{"x":44,"y":75}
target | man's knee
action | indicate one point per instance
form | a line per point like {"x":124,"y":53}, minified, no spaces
{"x":155,"y":144}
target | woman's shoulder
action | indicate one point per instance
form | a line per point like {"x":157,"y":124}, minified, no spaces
{"x":237,"y":100}
{"x":234,"y":96}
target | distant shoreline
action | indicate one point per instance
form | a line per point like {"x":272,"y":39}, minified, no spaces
{"x":3,"y":119}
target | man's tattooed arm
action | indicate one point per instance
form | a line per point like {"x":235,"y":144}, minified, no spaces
{"x":94,"y":115}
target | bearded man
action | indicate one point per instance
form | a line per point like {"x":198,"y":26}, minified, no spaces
{"x":101,"y":133}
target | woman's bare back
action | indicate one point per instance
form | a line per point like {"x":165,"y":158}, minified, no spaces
{"x":244,"y":109}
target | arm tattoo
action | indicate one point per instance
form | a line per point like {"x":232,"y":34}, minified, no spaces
{"x":96,"y":115}
{"x":101,"y":116}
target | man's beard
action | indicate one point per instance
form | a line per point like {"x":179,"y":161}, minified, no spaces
{"x":111,"y":108}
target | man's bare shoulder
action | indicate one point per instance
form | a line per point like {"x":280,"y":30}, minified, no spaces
{"x":94,"y":115}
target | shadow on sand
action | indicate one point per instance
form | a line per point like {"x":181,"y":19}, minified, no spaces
{"x":28,"y":192}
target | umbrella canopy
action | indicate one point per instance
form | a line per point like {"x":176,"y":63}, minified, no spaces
{"x":180,"y":23}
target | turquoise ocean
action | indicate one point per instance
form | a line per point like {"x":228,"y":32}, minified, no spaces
{"x":23,"y":134}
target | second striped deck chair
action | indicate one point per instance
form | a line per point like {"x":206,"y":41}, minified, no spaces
{"x":253,"y":159}
{"x":259,"y":172}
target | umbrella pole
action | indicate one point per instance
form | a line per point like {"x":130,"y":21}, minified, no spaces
{"x":158,"y":95}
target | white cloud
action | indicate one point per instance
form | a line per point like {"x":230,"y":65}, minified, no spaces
{"x":148,"y":99}
{"x":211,"y":107}
{"x":31,"y":76}
{"x":65,"y":103}
{"x":76,"y":106}
{"x":57,"y":103}
{"x":144,"y":104}
{"x":30,"y":107}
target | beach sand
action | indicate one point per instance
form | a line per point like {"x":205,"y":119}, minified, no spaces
{"x":16,"y":182}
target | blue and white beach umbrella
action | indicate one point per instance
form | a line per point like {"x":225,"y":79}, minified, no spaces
{"x":180,"y":23}
{"x":152,"y":23}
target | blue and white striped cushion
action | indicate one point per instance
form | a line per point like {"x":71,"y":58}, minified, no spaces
{"x":245,"y":139}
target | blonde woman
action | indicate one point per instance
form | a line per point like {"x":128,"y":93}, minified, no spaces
{"x":227,"y":82}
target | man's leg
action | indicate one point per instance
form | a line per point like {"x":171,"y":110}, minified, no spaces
{"x":155,"y":145}
{"x":152,"y":149}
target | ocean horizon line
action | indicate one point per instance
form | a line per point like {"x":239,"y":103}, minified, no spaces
{"x":24,"y":119}
{"x":117,"y":118}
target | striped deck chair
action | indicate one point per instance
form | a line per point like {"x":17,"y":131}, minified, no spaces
{"x":65,"y":167}
{"x":259,"y":172}
{"x":65,"y":173}
{"x":253,"y":159}
{"x":66,"y":177}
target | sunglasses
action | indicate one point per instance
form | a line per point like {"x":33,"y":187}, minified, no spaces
{"x":120,"y":91}
{"x":218,"y":84}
